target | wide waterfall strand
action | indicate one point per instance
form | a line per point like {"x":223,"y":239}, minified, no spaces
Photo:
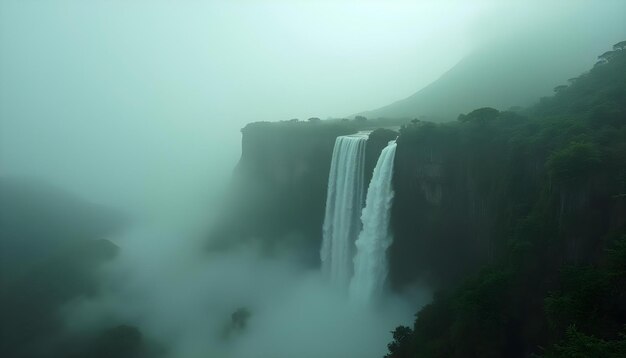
{"x":343,"y":208}
{"x":370,"y":262}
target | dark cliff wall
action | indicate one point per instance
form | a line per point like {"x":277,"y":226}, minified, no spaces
{"x":466,"y":193}
{"x":463,"y":189}
{"x":376,"y":142}
{"x":279,"y":191}
{"x":278,"y":196}
{"x":523,"y":222}
{"x":454,"y":184}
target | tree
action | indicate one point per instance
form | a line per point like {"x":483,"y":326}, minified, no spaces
{"x":559,"y":88}
{"x":360,"y":118}
{"x":313,"y":119}
{"x":400,"y":345}
{"x":577,"y":160}
{"x":239,"y":318}
{"x":619,"y":46}
{"x":607,"y":56}
{"x":480,"y":115}
{"x":580,"y":345}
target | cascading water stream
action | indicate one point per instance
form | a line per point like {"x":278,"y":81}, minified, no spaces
{"x":370,"y":262}
{"x":344,"y":201}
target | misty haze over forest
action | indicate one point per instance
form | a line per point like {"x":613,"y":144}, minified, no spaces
{"x":312,"y":179}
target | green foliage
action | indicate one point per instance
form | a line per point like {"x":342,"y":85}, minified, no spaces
{"x":559,"y":88}
{"x":580,"y":298}
{"x":579,"y":345}
{"x":576,"y":160}
{"x":480,"y":115}
{"x":607,"y":56}
{"x":535,"y":197}
{"x":616,"y":257}
{"x":590,"y":296}
{"x":401,"y":335}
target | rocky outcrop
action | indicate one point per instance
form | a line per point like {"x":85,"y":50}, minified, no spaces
{"x":465,"y":193}
{"x":278,"y":195}
{"x":279,"y":187}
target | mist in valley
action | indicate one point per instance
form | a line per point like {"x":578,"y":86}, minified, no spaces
{"x":120,"y":135}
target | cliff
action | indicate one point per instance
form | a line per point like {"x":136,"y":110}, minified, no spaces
{"x":519,"y":220}
{"x":278,"y":196}
{"x":465,"y":191}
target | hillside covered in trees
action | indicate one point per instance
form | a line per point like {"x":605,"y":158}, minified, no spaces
{"x":505,"y":74}
{"x":519,"y":218}
{"x":52,"y":245}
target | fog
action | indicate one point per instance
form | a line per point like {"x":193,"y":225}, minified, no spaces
{"x":138,"y":105}
{"x":126,"y":102}
{"x":185,"y":299}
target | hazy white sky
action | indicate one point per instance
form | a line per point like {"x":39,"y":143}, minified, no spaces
{"x":238,"y":58}
{"x":148,"y":95}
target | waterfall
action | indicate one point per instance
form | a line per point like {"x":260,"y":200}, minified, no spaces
{"x":370,"y":262}
{"x":344,"y":201}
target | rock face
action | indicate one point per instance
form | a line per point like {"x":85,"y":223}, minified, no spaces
{"x":279,"y":187}
{"x":444,"y":209}
{"x":459,"y":190}
{"x":445,"y":205}
{"x":484,"y":188}
{"x":278,"y":195}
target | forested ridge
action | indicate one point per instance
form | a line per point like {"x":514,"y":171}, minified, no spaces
{"x":52,"y":246}
{"x":543,"y":192}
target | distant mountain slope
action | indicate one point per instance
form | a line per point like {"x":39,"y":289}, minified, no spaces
{"x":52,"y":244}
{"x":501,"y":76}
{"x":38,"y":220}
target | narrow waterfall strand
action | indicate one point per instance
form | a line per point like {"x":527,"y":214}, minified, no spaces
{"x":370,"y":262}
{"x":343,"y":207}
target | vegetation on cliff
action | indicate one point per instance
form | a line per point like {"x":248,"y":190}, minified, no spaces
{"x":520,"y":219}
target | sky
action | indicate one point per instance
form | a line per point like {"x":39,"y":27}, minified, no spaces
{"x":130,"y":102}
